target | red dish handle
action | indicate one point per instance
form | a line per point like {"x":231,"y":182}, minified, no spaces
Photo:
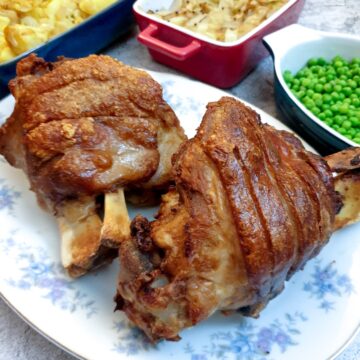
{"x":147,"y":38}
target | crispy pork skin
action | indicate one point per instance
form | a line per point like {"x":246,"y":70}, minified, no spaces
{"x":251,"y":206}
{"x":82,"y":129}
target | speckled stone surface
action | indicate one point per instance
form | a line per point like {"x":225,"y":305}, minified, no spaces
{"x":17,"y":339}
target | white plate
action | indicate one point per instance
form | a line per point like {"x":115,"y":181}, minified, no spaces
{"x":314,"y":317}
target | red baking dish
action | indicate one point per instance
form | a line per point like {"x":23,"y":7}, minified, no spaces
{"x":218,"y":63}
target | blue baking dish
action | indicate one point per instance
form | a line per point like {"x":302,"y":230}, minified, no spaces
{"x":89,"y":37}
{"x":291,"y":47}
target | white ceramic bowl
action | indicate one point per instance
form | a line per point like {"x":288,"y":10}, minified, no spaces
{"x":291,"y":48}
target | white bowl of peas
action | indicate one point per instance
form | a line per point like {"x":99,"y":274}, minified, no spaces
{"x":317,"y":84}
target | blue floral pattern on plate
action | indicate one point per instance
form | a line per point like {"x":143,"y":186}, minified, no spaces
{"x":249,"y":341}
{"x":38,"y":271}
{"x":326,"y":283}
{"x":131,"y":340}
{"x":8,"y":196}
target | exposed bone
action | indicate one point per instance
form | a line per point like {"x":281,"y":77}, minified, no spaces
{"x":348,"y":185}
{"x":80,"y":227}
{"x":348,"y":159}
{"x":116,"y":226}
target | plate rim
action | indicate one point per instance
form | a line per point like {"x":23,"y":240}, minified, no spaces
{"x":39,"y":331}
{"x":80,"y":357}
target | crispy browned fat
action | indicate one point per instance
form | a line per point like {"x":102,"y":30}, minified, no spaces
{"x":83,"y":129}
{"x":251,"y":206}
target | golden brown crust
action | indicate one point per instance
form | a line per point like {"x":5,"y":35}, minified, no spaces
{"x":85,"y":129}
{"x":305,"y":192}
{"x":88,"y":125}
{"x":348,"y":159}
{"x":251,"y":206}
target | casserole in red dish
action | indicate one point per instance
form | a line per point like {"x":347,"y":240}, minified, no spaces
{"x":222,"y":64}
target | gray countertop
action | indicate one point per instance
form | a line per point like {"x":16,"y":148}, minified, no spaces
{"x":17,"y":339}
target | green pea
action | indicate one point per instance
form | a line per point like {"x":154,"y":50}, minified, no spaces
{"x":305,"y":82}
{"x":326,"y":98}
{"x":322,"y":116}
{"x":310,"y":93}
{"x":352,"y":84}
{"x":318,"y":103}
{"x":347,"y":91}
{"x":315,"y":69}
{"x":300,"y":94}
{"x":328,"y":113}
{"x":288,"y":78}
{"x":338,"y":64}
{"x":338,"y":119}
{"x":296,"y":81}
{"x":309,"y":104}
{"x":355,"y":122}
{"x":355,"y":102}
{"x":342,"y":131}
{"x":334,"y":96}
{"x":318,"y":88}
{"x":343,"y":109}
{"x":343,"y":70}
{"x":313,"y":84}
{"x":346,"y":124}
{"x":300,"y":74}
{"x":315,"y":110}
{"x":334,"y":108}
{"x":321,"y":72}
{"x":328,"y":88}
{"x":330,"y":122}
{"x":342,"y":83}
